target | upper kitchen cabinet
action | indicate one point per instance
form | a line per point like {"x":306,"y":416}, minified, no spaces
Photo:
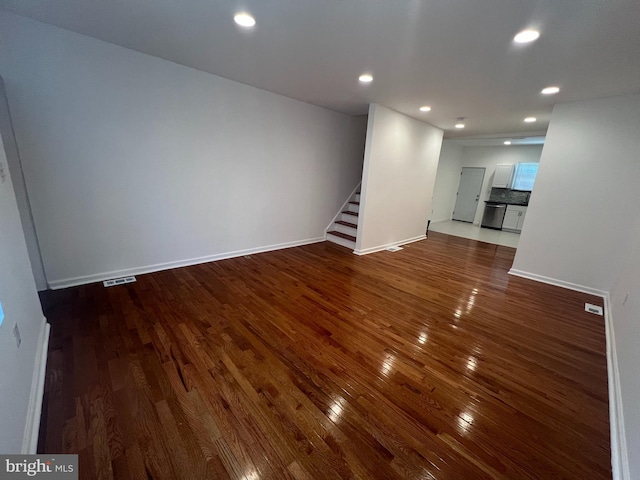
{"x":502,"y":177}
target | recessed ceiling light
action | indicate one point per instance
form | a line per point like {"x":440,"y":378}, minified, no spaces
{"x":366,"y":78}
{"x":244,"y":20}
{"x":425,"y":108}
{"x":507,"y":142}
{"x":530,"y":119}
{"x":459,"y":122}
{"x":526,"y":36}
{"x":550,"y":90}
{"x":459,"y":125}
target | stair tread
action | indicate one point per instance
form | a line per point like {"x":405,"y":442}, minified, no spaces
{"x":347,"y":224}
{"x":351,"y":213}
{"x":354,"y":203}
{"x":342,"y":235}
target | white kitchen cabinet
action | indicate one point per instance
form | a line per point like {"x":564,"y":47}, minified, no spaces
{"x":510,"y":221}
{"x":514,"y":218}
{"x":502,"y":176}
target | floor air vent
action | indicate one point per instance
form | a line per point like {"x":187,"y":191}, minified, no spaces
{"x":394,"y":249}
{"x":118,"y":281}
{"x":591,"y":308}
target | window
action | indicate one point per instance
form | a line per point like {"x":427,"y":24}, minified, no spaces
{"x":525,"y":176}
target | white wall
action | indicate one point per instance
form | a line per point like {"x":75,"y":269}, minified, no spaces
{"x":625,"y":315}
{"x":585,"y":193}
{"x":400,"y":165}
{"x":21,"y":306}
{"x":133,"y":162}
{"x":13,"y":160}
{"x":447,"y":181}
{"x":489,"y":157}
{"x":583,"y":226}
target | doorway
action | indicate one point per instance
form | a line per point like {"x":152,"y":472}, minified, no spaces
{"x":468,"y":195}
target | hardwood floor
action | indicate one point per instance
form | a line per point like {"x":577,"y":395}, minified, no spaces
{"x":314,"y":363}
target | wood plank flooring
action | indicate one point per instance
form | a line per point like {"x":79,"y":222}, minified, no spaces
{"x":314,"y":363}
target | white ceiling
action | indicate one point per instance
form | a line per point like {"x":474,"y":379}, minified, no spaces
{"x":455,"y":55}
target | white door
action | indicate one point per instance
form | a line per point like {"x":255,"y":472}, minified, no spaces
{"x":468,"y":194}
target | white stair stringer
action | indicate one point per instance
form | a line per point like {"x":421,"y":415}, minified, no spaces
{"x":343,"y":230}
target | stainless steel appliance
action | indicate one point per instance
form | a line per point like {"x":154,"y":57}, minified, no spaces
{"x":494,"y":215}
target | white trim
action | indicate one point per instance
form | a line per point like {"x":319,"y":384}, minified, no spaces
{"x":34,"y":410}
{"x":619,"y":452}
{"x":558,"y":283}
{"x":344,"y":205}
{"x":99,"y":277}
{"x":367,"y":251}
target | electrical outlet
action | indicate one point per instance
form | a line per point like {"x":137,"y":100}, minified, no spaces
{"x":16,"y":333}
{"x":3,"y":173}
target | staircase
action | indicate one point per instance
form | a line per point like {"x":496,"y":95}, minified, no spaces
{"x":344,"y":228}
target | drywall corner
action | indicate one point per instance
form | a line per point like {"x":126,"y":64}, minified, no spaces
{"x":399,"y":172}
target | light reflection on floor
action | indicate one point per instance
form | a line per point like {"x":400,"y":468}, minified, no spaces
{"x":387,"y":365}
{"x":465,"y":422}
{"x":336,"y":409}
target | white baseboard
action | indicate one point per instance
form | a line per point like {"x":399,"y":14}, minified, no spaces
{"x":558,"y":283}
{"x":619,"y":452}
{"x":34,"y":410}
{"x":367,"y":251}
{"x":99,"y":277}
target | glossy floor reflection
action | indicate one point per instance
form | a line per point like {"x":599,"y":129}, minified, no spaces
{"x":475,"y":232}
{"x":314,"y":363}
